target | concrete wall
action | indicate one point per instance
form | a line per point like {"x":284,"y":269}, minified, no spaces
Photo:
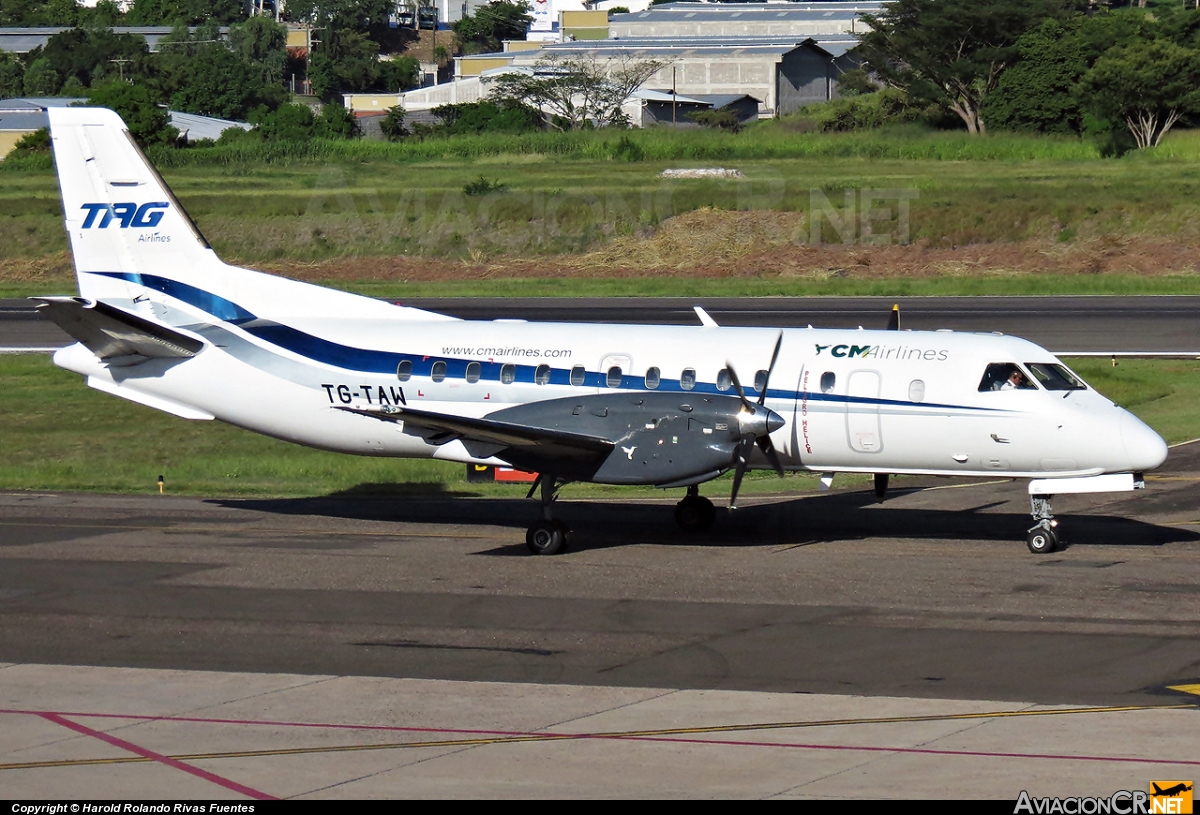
{"x":9,"y":139}
{"x":734,"y":74}
{"x":623,"y":26}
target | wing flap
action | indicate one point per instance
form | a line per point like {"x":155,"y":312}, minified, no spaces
{"x":116,"y":335}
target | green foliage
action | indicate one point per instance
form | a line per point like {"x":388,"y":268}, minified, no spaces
{"x":1040,"y":93}
{"x":618,"y":10}
{"x":148,"y":122}
{"x":335,"y":122}
{"x":398,"y":74}
{"x":626,"y":149}
{"x":720,"y":119}
{"x":952,"y":52}
{"x":490,"y":25}
{"x":296,"y":123}
{"x":90,"y":55}
{"x":219,"y":82}
{"x":865,"y":112}
{"x":1148,"y":86}
{"x":483,"y":186}
{"x":12,"y":76}
{"x":36,"y":142}
{"x":856,"y":82}
{"x":487,"y":117}
{"x":392,"y":125}
{"x":190,"y":12}
{"x":262,"y":43}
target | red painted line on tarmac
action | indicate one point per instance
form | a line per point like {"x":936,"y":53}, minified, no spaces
{"x":160,"y":758}
{"x":547,"y":735}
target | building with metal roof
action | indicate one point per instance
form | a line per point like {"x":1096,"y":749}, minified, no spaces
{"x":24,"y":40}
{"x":743,"y":20}
{"x":24,"y":115}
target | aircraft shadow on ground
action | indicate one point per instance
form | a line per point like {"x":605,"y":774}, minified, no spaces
{"x":809,"y":519}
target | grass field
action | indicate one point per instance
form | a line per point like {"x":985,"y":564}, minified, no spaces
{"x":814,"y":214}
{"x":57,"y":434}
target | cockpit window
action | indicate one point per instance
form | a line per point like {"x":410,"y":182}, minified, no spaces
{"x":1055,"y":377}
{"x":1005,"y":376}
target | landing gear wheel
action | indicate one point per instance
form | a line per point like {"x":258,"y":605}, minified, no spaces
{"x":546,"y":537}
{"x":695,"y":513}
{"x":1042,"y":541}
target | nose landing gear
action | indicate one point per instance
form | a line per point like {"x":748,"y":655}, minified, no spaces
{"x":1043,"y":537}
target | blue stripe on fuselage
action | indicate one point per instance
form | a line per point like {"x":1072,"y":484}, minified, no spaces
{"x":364,"y":360}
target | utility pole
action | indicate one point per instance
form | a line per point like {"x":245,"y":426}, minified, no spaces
{"x":121,"y":61}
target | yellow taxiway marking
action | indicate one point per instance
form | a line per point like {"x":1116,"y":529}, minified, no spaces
{"x":624,"y":734}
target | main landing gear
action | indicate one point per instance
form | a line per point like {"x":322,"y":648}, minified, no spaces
{"x":1043,"y":537}
{"x":549,"y":535}
{"x":695,"y":513}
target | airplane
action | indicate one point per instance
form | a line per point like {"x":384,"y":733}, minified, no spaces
{"x":1172,"y":791}
{"x":162,"y":321}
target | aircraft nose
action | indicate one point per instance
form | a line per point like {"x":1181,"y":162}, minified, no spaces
{"x":1144,"y":449}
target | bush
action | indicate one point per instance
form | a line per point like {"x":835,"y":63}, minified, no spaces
{"x":483,"y":186}
{"x":864,"y":111}
{"x":487,"y":117}
{"x":392,"y":125}
{"x":629,"y":150}
{"x":36,"y":142}
{"x":720,"y":119}
{"x":146,"y":119}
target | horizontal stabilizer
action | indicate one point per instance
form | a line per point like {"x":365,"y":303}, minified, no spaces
{"x":439,"y":428}
{"x":110,"y":333}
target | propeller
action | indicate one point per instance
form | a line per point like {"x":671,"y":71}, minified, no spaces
{"x":894,"y":318}
{"x":757,"y":422}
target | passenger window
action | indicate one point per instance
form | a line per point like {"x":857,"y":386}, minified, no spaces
{"x":438,"y":373}
{"x":916,"y":391}
{"x":1004,"y":376}
{"x":404,"y":370}
{"x":723,"y":380}
{"x":687,"y":379}
{"x":474,"y":369}
{"x":542,"y":375}
{"x":508,"y":374}
{"x":578,"y":374}
{"x":828,"y":382}
{"x":613,"y":379}
{"x":760,"y":381}
{"x":652,"y":378}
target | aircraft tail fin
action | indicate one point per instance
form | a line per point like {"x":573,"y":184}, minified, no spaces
{"x":121,"y":216}
{"x":134,"y":245}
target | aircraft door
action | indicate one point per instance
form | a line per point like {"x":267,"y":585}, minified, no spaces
{"x":862,"y":412}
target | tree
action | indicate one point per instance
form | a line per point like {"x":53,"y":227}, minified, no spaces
{"x":147,"y":121}
{"x":261,"y":42}
{"x":190,"y":12}
{"x":1148,"y":86}
{"x":575,"y":90}
{"x":952,"y":52}
{"x":487,"y":116}
{"x":12,"y":76}
{"x":499,"y":20}
{"x":1040,"y":92}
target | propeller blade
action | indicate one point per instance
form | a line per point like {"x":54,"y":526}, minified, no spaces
{"x":762,"y":397}
{"x":894,"y":320}
{"x":743,"y":458}
{"x":737,"y":385}
{"x":764,"y":444}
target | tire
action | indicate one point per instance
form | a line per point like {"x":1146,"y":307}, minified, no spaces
{"x":695,"y":514}
{"x":546,"y":538}
{"x":1041,"y":541}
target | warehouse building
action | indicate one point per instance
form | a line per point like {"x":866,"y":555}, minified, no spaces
{"x":743,"y":20}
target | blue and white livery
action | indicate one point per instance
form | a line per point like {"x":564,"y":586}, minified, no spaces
{"x":162,"y":321}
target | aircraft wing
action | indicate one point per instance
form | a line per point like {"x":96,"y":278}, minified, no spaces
{"x":488,"y":437}
{"x":111,"y":334}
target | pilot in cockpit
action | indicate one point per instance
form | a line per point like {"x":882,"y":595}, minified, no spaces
{"x":1005,"y":376}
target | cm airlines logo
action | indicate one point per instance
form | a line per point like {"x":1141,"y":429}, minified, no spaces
{"x":126,"y":215}
{"x":882,"y":352}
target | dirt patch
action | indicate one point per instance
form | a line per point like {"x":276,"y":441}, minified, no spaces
{"x":708,"y":243}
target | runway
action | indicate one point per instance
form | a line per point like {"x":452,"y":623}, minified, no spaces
{"x":1061,"y":324}
{"x":424,"y":622}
